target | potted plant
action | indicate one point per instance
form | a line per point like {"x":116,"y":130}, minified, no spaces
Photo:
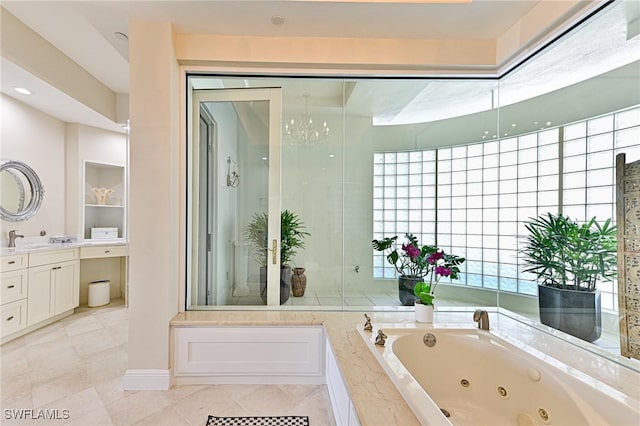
{"x":569,"y":259}
{"x":414,"y":262}
{"x":424,"y":303}
{"x":291,"y":238}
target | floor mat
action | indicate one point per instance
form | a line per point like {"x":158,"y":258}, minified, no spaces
{"x":258,"y":421}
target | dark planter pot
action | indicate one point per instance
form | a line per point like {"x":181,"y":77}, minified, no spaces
{"x":285,"y":284}
{"x":405,"y":289}
{"x":574,"y":312}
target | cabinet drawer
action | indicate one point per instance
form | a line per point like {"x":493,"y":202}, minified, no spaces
{"x":103,"y":251}
{"x":14,"y":286}
{"x":13,"y":262}
{"x":14,"y":317}
{"x":53,"y":256}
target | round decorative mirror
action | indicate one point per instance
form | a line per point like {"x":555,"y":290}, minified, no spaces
{"x":21,"y":191}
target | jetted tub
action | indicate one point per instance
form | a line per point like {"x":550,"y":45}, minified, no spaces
{"x":475,"y":377}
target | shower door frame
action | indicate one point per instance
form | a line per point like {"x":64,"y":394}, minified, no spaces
{"x":274,"y":98}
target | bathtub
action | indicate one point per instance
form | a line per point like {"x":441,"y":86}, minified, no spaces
{"x":473,"y":377}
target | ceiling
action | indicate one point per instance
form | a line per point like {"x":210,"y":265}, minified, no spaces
{"x":85,"y":30}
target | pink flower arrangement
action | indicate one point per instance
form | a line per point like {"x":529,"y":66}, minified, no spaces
{"x":415,"y":261}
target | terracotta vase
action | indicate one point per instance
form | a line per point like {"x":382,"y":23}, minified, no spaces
{"x":298,"y":282}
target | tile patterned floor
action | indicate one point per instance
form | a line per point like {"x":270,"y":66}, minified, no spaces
{"x":72,"y":370}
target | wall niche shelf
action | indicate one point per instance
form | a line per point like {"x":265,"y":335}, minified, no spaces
{"x":104,"y":201}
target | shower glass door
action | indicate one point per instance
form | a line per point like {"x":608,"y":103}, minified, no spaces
{"x":233,"y":190}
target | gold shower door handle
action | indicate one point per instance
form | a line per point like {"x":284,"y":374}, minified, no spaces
{"x":274,"y":251}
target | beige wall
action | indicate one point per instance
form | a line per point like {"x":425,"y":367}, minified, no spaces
{"x":38,"y":140}
{"x":153,"y":193}
{"x":28,"y":50}
{"x":86,"y":143}
{"x":56,"y":151}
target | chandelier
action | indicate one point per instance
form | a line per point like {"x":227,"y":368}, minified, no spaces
{"x":302,"y":132}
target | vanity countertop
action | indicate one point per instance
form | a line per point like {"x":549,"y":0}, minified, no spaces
{"x":30,"y":247}
{"x":375,"y":397}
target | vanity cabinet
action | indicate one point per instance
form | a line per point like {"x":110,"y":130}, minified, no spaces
{"x":104,"y":201}
{"x":39,"y":287}
{"x":13,"y":294}
{"x":14,"y":317}
{"x":15,"y":262}
{"x":102,"y":263}
{"x":100,"y":252}
{"x":54,"y":282}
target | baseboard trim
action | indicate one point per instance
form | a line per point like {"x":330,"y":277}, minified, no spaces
{"x":146,"y":380}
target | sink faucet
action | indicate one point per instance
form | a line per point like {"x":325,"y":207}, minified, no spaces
{"x":482,"y":318}
{"x":12,"y":238}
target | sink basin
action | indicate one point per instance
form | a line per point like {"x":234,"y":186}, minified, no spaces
{"x":35,"y":246}
{"x":6,"y":251}
{"x":26,"y":248}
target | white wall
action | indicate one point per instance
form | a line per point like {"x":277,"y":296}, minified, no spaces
{"x":38,"y":140}
{"x":55,"y":150}
{"x":86,"y":143}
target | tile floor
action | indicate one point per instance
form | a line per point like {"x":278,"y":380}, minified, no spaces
{"x":72,"y":370}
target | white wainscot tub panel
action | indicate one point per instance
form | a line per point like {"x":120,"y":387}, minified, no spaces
{"x":248,"y":355}
{"x":343,"y":409}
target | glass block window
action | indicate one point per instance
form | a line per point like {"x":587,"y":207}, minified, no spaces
{"x":479,"y":196}
{"x":590,"y":148}
{"x":404,"y":200}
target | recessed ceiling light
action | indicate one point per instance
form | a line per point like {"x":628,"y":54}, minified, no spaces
{"x":513,"y":124}
{"x":264,"y":158}
{"x":548,"y":123}
{"x":22,"y":90}
{"x":332,"y":156}
{"x":121,"y":36}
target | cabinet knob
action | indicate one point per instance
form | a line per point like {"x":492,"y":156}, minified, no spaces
{"x":11,"y":286}
{"x":107,"y":251}
{"x":10,"y":318}
{"x":12,"y":262}
{"x":57,"y":267}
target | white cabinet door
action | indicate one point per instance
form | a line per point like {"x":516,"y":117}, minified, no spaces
{"x":66,"y":285}
{"x":40,"y":294}
{"x":53,"y":289}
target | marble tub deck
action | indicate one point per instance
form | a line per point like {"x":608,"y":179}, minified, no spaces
{"x":375,"y":398}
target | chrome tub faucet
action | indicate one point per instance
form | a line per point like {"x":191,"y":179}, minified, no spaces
{"x":482,"y":318}
{"x":12,"y":238}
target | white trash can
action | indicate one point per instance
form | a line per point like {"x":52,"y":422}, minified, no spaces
{"x":99,"y":293}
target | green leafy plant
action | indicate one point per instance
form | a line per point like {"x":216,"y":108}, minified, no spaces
{"x":291,"y":236}
{"x":423,"y":292}
{"x":565,"y":254}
